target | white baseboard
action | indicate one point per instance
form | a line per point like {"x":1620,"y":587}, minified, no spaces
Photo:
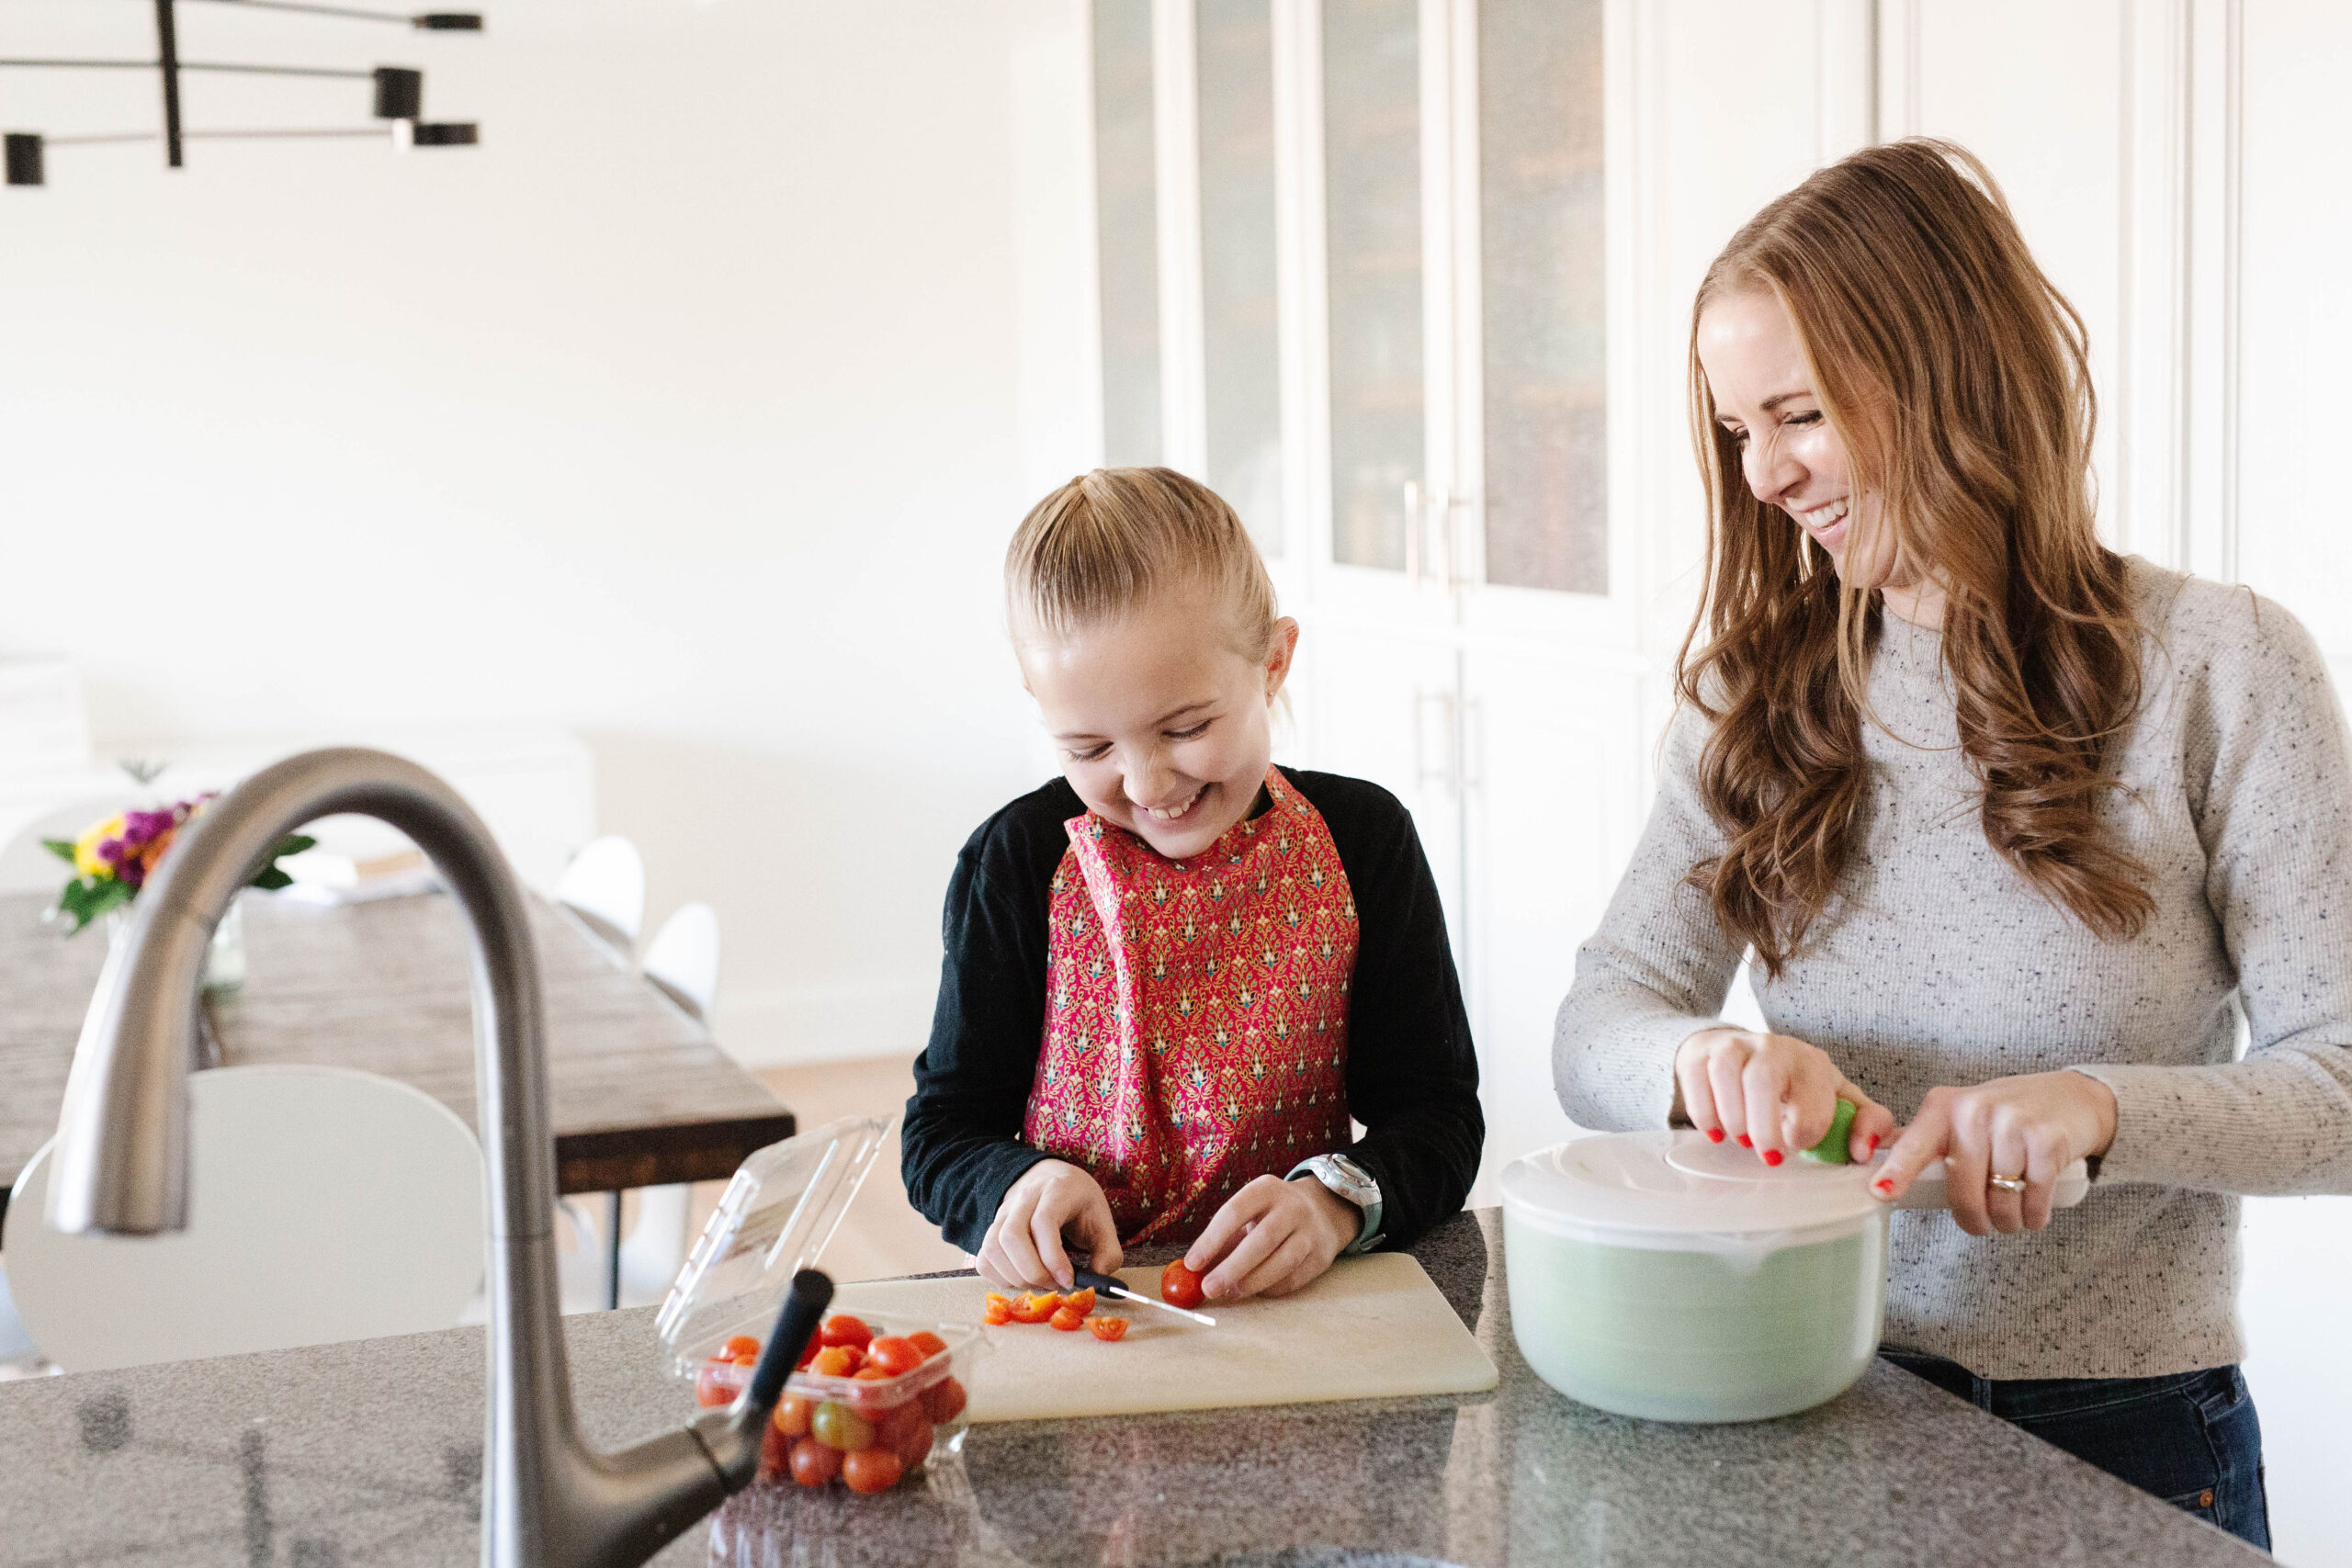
{"x":842,"y":1021}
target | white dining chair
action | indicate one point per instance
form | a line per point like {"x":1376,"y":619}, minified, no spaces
{"x":324,"y":1205}
{"x":683,"y":960}
{"x":25,"y":864}
{"x":606,"y":882}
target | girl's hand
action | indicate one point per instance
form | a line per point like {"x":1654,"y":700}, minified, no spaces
{"x":1052,"y":1201}
{"x":2032,"y":1126}
{"x":1273,"y":1237}
{"x":1772,"y":1093}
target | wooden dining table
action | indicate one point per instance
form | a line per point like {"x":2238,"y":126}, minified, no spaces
{"x":639,"y":1093}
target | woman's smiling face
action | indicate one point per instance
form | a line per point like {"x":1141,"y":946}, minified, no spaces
{"x":1764,"y":396}
{"x":1163,"y":728}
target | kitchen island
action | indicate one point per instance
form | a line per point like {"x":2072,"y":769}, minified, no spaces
{"x":370,"y":1453}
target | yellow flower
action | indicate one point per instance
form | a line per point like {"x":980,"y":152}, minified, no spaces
{"x":86,"y":848}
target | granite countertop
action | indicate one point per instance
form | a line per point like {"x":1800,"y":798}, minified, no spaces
{"x":369,"y":1454}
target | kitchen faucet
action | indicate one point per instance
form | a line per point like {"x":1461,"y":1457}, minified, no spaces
{"x":119,"y":1165}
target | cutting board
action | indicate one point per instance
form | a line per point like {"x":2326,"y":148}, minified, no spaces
{"x":1371,"y":1328}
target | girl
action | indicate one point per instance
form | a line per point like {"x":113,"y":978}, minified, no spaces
{"x":1174,"y":973}
{"x":2014,"y":827}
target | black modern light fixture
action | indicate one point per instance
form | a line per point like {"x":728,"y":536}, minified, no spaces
{"x":399,"y":90}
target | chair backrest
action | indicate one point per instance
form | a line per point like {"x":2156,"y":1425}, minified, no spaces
{"x":683,"y":958}
{"x":324,"y":1205}
{"x":27,"y":868}
{"x":606,"y":882}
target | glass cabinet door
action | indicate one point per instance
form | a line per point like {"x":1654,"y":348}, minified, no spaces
{"x":1371,"y":198}
{"x":1241,"y":326}
{"x":1543,"y":337}
{"x":1126,"y":230}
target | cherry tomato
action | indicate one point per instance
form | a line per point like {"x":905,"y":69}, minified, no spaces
{"x":838,"y":1426}
{"x":906,"y":1431}
{"x":944,"y":1401}
{"x":871,"y":1373}
{"x":873,"y":1469}
{"x":843,"y":1329}
{"x":1179,"y":1286}
{"x":996,"y":1309}
{"x":1069,"y":1320}
{"x":1107,"y":1328}
{"x":751,"y":1360}
{"x":914,"y":1446}
{"x":792,"y":1414}
{"x":709,"y":1393}
{"x":742,"y":1345}
{"x":931,"y":1344}
{"x":775,"y":1452}
{"x":837,"y":1361}
{"x":813,"y":1463}
{"x":894,"y":1354}
{"x":807,"y":1353}
{"x":1082,"y":1300}
{"x":1034,"y":1308}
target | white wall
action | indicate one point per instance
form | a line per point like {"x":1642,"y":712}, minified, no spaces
{"x":683,"y":411}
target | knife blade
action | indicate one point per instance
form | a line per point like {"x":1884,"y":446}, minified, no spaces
{"x":1104,"y":1285}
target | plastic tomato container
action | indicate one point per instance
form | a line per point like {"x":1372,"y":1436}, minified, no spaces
{"x":919,"y":1414}
{"x":780,"y":1208}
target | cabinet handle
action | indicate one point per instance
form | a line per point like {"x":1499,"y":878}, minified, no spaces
{"x":1413,"y":533}
{"x":1447,"y":774}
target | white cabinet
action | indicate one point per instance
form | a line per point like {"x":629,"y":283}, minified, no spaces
{"x":1355,"y":278}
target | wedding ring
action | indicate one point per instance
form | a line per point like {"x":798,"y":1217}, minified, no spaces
{"x":2008,"y":1183}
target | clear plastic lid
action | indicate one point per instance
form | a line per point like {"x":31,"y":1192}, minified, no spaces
{"x":778,"y":1214}
{"x":1673,"y":1188}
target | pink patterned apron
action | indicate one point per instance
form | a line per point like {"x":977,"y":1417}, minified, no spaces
{"x":1196,"y":1013}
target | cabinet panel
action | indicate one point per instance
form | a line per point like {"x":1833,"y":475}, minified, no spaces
{"x":1381,"y":705}
{"x":2295,"y":318}
{"x":1555,"y":763}
{"x":1372,"y":183}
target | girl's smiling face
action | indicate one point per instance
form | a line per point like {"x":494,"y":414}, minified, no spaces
{"x":1163,"y":728}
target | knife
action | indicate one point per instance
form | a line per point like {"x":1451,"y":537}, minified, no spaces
{"x":1104,"y":1285}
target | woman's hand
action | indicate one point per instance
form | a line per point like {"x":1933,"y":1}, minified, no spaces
{"x":2032,"y":1126}
{"x":1273,"y":1237}
{"x":1772,"y":1093}
{"x":1053,"y":1200}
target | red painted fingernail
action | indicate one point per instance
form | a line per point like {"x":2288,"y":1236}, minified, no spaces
{"x":1885,"y":1185}
{"x":1771,"y":1156}
{"x":1871,"y":1147}
{"x":1744,"y":1142}
{"x":1714,"y":1134}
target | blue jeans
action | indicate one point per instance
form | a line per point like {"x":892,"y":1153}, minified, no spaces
{"x":2191,"y":1438}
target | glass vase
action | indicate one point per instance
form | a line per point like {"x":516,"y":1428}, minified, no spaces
{"x":224,"y":961}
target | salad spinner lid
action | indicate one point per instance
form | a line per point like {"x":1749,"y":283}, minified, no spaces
{"x":780,"y":1208}
{"x":1677,"y":1182}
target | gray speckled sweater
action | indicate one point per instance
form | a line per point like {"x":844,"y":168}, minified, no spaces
{"x":1942,"y":966}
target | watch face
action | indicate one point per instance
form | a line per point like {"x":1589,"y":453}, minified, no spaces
{"x":1355,"y":1175}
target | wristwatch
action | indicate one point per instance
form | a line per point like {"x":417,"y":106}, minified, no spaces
{"x":1353,"y":1182}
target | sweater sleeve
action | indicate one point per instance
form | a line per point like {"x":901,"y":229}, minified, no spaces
{"x":2265,"y":749}
{"x":1412,"y":1072}
{"x":960,"y":1145}
{"x":1656,"y":970}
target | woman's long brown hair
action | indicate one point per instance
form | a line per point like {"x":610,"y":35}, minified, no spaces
{"x":1958,"y":380}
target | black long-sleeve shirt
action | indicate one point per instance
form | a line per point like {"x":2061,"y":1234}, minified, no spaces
{"x":1412,"y":1075}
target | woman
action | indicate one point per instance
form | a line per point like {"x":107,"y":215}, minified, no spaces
{"x":2014,"y":827}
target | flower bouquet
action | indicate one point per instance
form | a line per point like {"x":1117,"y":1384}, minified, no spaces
{"x":113,"y":858}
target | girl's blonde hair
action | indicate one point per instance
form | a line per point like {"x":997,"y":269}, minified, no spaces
{"x":1109,"y":541}
{"x":1959,"y":379}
